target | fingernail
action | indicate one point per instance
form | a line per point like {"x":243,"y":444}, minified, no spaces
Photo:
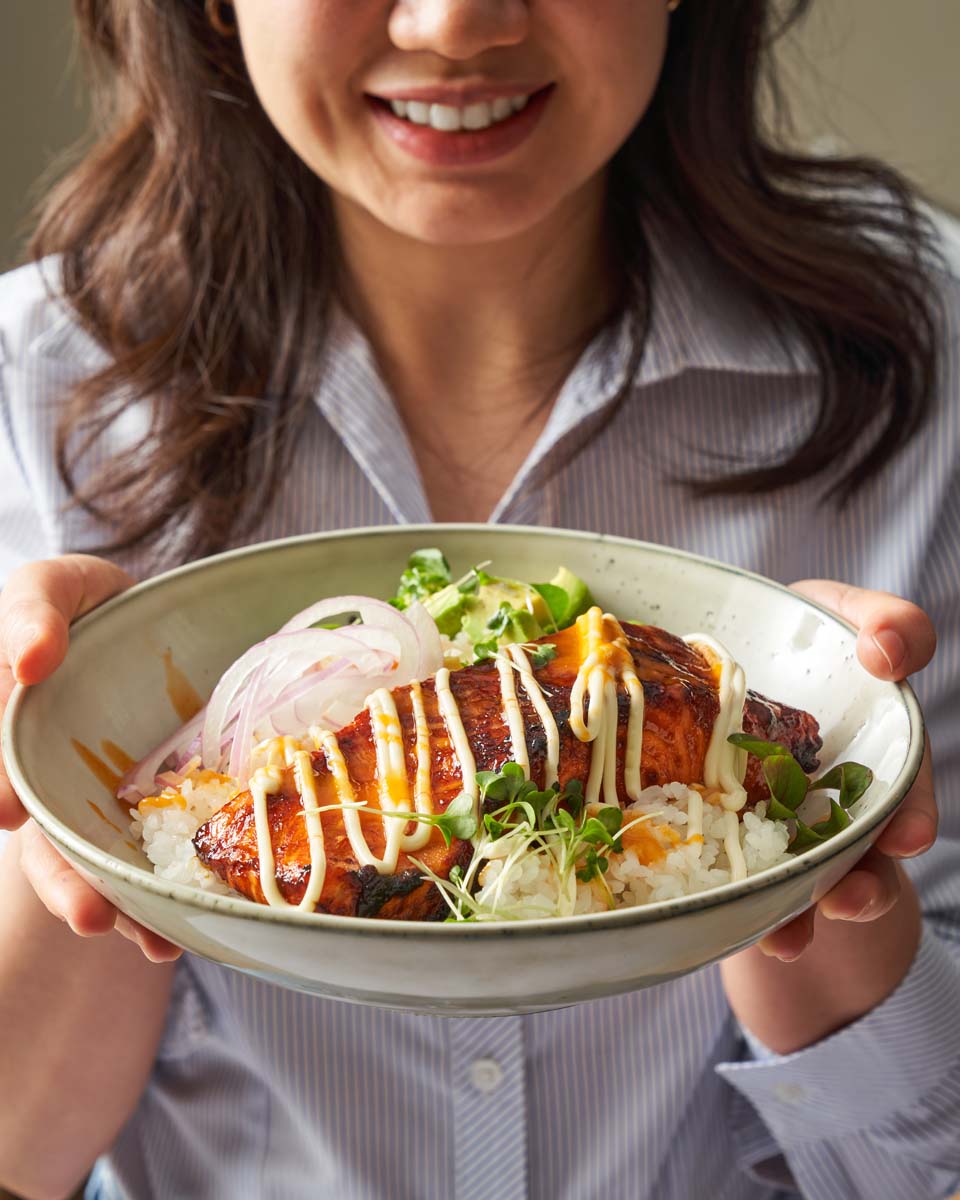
{"x":918,"y":833}
{"x":867,"y":912}
{"x":891,"y":646}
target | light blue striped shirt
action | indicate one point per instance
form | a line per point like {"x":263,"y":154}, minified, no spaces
{"x":263,"y":1092}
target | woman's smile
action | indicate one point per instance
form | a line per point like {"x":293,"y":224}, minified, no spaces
{"x":456,"y":123}
{"x":453,"y":127}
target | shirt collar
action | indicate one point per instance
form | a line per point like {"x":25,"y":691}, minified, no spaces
{"x":700,"y":321}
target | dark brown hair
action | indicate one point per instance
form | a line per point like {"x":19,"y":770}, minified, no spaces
{"x":197,"y":248}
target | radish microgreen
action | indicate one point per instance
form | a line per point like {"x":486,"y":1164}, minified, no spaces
{"x":789,"y":787}
{"x":554,"y":825}
{"x":427,"y":572}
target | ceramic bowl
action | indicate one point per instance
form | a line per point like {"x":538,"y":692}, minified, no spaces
{"x":114,"y":692}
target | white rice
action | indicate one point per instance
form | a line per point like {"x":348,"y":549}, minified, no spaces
{"x":529,"y":887}
{"x":532,"y":886}
{"x":166,"y":830}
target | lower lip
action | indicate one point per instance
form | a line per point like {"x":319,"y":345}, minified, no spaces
{"x":465,"y":148}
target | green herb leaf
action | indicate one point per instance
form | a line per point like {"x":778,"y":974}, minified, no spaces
{"x":812,"y":835}
{"x":485,"y":649}
{"x":601,"y":830}
{"x":566,"y":596}
{"x":786,"y":780}
{"x":838,"y":819}
{"x":474,"y":579}
{"x":509,"y":625}
{"x":494,"y":827}
{"x":611,"y":818}
{"x":427,"y":572}
{"x":458,"y":819}
{"x":804,"y":837}
{"x":541,"y":654}
{"x":563,"y":820}
{"x":757,"y":747}
{"x":504,"y":786}
{"x":556,"y":600}
{"x":850,"y":778}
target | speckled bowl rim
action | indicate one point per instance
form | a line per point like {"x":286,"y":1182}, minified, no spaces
{"x":106,"y":865}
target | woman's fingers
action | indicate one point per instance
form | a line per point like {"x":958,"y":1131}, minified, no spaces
{"x":38,"y":603}
{"x":790,"y":941}
{"x":871,"y":889}
{"x":70,"y":898}
{"x":154,"y":947}
{"x":60,"y":888}
{"x":867,"y":892}
{"x":914,"y":826}
{"x":896,"y":637}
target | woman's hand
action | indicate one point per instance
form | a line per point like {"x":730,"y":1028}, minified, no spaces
{"x":896,"y":639}
{"x":36,"y":607}
{"x":858,"y":942}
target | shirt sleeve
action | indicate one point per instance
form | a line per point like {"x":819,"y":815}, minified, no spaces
{"x":874,"y":1110}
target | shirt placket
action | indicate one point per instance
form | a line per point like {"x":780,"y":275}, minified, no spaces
{"x":489,"y":1118}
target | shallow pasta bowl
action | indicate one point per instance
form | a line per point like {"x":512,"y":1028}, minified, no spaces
{"x":116,"y":693}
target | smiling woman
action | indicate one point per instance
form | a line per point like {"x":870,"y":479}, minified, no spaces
{"x":277,"y":123}
{"x":483,"y":149}
{"x":342,"y":262}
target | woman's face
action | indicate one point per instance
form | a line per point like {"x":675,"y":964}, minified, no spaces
{"x":455,"y":121}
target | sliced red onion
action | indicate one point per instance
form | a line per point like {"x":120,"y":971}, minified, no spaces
{"x":431,"y":650}
{"x":375,"y":614}
{"x":139,"y":780}
{"x":299,"y":650}
{"x":246,"y":719}
{"x":300,"y":676}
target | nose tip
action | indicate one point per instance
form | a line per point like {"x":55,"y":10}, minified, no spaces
{"x":458,"y":29}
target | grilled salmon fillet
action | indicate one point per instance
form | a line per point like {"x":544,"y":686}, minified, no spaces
{"x":681,"y":706}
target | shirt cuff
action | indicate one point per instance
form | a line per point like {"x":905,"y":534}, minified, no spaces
{"x":868,"y":1072}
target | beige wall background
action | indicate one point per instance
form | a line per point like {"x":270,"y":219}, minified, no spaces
{"x":880,"y":76}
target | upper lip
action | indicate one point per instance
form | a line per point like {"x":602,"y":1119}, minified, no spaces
{"x":458,"y":95}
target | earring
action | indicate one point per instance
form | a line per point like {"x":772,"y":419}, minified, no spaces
{"x":225,"y":26}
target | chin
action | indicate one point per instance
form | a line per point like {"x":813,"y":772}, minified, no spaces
{"x":459,"y":218}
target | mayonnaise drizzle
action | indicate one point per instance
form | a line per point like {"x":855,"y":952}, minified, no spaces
{"x":344,"y":788}
{"x":458,"y":736}
{"x":267,"y":781}
{"x":306,"y":785}
{"x":725,"y":766}
{"x":391,"y":773}
{"x":606,"y":662}
{"x":551,"y":765}
{"x":731,"y":843}
{"x":421,"y":788}
{"x":512,"y":713}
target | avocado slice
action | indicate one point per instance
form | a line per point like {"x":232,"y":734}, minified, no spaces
{"x":447,"y":607}
{"x":532,"y":613}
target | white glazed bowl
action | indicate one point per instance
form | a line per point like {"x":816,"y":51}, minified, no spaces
{"x":113,"y":688}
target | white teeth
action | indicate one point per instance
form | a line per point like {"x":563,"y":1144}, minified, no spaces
{"x":445,"y":117}
{"x":476,"y":116}
{"x":448,"y":118}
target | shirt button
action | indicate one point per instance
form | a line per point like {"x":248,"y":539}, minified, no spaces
{"x":486,"y":1074}
{"x":790,"y":1093}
